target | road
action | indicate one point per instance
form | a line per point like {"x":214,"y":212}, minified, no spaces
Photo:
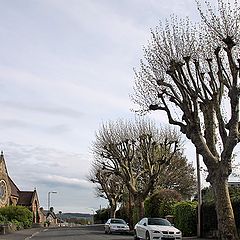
{"x":77,"y":234}
{"x":80,"y":233}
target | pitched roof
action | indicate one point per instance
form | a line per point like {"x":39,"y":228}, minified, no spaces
{"x":50,"y":213}
{"x":14,"y":189}
{"x":26,"y":198}
{"x":2,"y":161}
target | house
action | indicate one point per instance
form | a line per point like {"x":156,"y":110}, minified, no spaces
{"x":49,"y":217}
{"x":10,"y":194}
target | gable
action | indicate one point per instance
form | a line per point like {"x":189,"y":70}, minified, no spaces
{"x":25,"y":198}
{"x":3,"y":168}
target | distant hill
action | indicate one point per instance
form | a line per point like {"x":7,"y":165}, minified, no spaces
{"x":75,"y":215}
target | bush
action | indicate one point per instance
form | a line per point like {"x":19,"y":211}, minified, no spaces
{"x":102,"y":215}
{"x":18,"y":225}
{"x":3,"y":219}
{"x":161,"y":203}
{"x":185,"y":214}
{"x":18,"y":213}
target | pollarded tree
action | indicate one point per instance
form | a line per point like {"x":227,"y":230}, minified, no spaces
{"x":108,"y":186}
{"x":192,"y":74}
{"x":136,"y":152}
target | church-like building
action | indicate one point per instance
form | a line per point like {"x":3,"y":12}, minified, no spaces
{"x":10,"y":194}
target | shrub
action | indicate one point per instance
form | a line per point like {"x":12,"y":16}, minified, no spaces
{"x":3,"y":219}
{"x":185,"y":214}
{"x":102,"y":215}
{"x":161,"y":203}
{"x":18,"y":225}
{"x":19,"y":213}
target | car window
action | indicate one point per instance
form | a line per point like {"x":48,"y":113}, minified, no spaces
{"x":142,"y":221}
{"x":158,"y":221}
{"x":118,"y":221}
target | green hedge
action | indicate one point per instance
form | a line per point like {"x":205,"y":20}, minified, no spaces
{"x":161,"y":203}
{"x":17,"y":214}
{"x":186,"y":217}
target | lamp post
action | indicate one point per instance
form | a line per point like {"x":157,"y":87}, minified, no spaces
{"x":199,"y":196}
{"x":49,"y":193}
{"x":93,"y":213}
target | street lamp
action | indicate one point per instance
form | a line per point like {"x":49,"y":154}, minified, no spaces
{"x":49,"y":193}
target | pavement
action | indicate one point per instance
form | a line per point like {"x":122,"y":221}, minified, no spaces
{"x":27,"y":234}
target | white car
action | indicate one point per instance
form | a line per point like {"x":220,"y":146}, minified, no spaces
{"x":116,"y":225}
{"x":156,"y":228}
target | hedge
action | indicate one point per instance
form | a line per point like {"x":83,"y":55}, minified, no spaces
{"x":186,"y":217}
{"x":19,"y":214}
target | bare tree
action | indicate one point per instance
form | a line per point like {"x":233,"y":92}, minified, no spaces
{"x":192,"y":74}
{"x":135,"y":151}
{"x":109,"y":186}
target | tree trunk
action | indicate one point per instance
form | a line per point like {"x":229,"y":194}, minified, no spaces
{"x":138,"y":209}
{"x":113,"y":208}
{"x":225,"y":216}
{"x":130,"y":212}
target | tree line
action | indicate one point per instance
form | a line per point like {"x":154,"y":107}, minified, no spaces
{"x":138,"y":159}
{"x":191,"y":72}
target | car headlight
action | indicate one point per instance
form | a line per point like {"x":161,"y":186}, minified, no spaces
{"x":155,"y":231}
{"x":178,"y":232}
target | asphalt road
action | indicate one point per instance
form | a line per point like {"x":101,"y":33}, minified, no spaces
{"x":81,"y":233}
{"x":77,"y":233}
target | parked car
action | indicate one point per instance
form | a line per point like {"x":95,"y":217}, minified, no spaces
{"x":116,"y":225}
{"x":156,"y":228}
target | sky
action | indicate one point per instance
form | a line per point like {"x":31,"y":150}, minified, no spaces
{"x":66,"y":67}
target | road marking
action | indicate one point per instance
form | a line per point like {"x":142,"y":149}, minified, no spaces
{"x":34,"y":234}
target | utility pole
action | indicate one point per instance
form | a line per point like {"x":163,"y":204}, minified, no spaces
{"x":199,"y":195}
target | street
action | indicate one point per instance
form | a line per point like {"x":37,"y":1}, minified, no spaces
{"x":80,"y":233}
{"x":94,"y":232}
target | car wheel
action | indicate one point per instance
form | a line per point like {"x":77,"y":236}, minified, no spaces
{"x":109,"y":231}
{"x":147,"y":236}
{"x":135,"y":235}
{"x":105,"y":231}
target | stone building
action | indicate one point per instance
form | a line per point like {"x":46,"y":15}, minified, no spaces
{"x":11,"y":195}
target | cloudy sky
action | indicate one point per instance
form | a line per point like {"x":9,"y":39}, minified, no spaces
{"x":66,"y":66}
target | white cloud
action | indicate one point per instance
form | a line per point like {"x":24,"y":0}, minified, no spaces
{"x":56,"y":179}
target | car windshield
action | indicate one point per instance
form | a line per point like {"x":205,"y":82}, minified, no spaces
{"x":118,"y":221}
{"x":158,"y":221}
